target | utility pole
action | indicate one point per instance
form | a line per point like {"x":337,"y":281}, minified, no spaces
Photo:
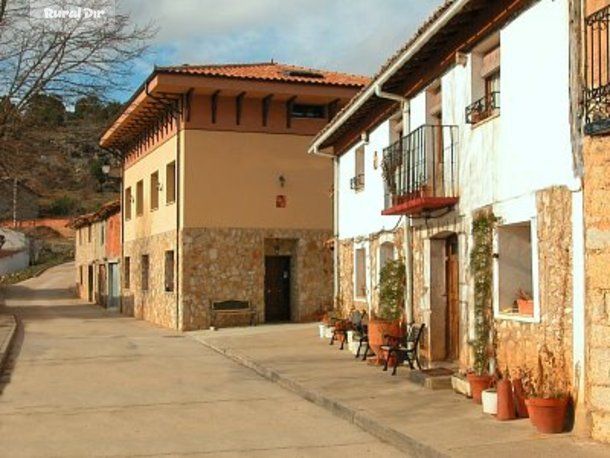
{"x":15,"y":202}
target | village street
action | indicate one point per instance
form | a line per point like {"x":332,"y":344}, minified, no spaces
{"x":87,"y":382}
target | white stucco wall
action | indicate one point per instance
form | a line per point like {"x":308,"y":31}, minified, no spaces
{"x":360,"y":211}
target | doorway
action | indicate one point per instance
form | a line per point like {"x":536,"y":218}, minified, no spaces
{"x":452,"y":284}
{"x":90,"y":284}
{"x":113,"y":285}
{"x":277,"y":288}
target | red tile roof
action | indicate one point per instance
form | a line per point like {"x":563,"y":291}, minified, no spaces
{"x":270,"y":71}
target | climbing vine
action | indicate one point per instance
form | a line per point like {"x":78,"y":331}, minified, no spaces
{"x":482,"y":270}
{"x":391,"y":290}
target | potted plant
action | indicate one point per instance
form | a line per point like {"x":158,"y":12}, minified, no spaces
{"x":391,"y":299}
{"x":481,"y":266}
{"x":547,"y":393}
{"x":525,"y":303}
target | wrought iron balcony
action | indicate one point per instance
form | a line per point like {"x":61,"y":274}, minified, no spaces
{"x":483,"y":108}
{"x":420,"y":172}
{"x":357,"y":183}
{"x":597,"y":61}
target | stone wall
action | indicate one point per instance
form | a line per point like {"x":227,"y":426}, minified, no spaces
{"x":345,"y":299}
{"x":597,"y":258}
{"x":154,"y":305}
{"x":229,"y":264}
{"x":518,"y":343}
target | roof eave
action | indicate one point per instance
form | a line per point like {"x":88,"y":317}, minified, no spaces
{"x":321,"y":141}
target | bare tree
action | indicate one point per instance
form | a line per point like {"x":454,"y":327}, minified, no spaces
{"x":69,"y":57}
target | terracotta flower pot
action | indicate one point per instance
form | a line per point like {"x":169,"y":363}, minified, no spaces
{"x":506,"y":403}
{"x":478,"y":383}
{"x":519,"y":393}
{"x":547,"y":415}
{"x":525,"y":306}
{"x":378,"y":329}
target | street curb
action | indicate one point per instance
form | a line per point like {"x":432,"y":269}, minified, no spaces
{"x":366,"y":422}
{"x":10,"y":322}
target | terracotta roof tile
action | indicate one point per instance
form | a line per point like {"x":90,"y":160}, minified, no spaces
{"x":270,"y":71}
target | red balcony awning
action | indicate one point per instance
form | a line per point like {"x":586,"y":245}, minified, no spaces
{"x":419,"y":205}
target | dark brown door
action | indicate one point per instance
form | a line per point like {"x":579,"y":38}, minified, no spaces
{"x":453,"y":298}
{"x":90,"y":284}
{"x":277,"y":288}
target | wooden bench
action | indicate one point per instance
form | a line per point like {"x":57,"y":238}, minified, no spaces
{"x":232,"y":308}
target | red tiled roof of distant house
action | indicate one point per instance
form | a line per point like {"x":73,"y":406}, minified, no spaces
{"x":270,"y":71}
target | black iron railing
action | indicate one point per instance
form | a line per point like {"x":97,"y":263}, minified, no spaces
{"x":483,"y":108}
{"x":421,"y":164}
{"x":357,"y":183}
{"x":597,"y":72}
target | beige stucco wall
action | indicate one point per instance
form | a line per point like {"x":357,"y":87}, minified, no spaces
{"x":232,"y":180}
{"x":164,"y":218}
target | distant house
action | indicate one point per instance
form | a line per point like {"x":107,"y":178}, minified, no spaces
{"x":221,"y":205}
{"x":18,"y":201}
{"x":14,"y":251}
{"x":98,"y":254}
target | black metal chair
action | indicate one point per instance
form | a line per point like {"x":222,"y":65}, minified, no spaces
{"x":364,"y":340}
{"x":404,"y":349}
{"x":354,"y":323}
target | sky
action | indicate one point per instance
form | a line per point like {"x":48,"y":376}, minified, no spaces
{"x":352,"y":36}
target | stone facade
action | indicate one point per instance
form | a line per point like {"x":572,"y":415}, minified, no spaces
{"x":229,"y":264}
{"x":597,"y":259}
{"x":518,"y":343}
{"x":346,"y":299}
{"x":154,"y":304}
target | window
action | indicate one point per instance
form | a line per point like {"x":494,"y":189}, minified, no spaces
{"x":360,"y":273}
{"x":145,"y":268}
{"x":169,"y":270}
{"x":154,"y":191}
{"x":357,"y":182}
{"x":308,"y":111}
{"x":127,"y":203}
{"x":170,"y":183}
{"x":386,"y":253}
{"x":139,"y":198}
{"x":127,"y":273}
{"x":485,"y":84}
{"x":514,"y":270}
{"x":89,"y":234}
{"x":102,"y":233}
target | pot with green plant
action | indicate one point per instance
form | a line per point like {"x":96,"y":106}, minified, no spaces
{"x":388,"y":321}
{"x":481,"y":267}
{"x":547,"y":392}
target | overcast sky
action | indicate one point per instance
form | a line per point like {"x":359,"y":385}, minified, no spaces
{"x":354,"y":36}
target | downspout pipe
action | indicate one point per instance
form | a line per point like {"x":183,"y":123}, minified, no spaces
{"x":336,"y":283}
{"x":408,"y":243}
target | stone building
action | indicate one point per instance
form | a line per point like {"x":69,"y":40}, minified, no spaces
{"x":472,"y":116}
{"x":221,"y":204}
{"x":97,"y":255}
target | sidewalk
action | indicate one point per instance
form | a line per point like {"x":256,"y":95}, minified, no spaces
{"x":418,"y":421}
{"x":8,"y":327}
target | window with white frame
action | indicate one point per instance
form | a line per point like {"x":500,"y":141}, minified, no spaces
{"x":386,"y":253}
{"x":360,"y":273}
{"x":514,"y":269}
{"x":357,"y":182}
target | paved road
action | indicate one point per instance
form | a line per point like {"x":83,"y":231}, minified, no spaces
{"x":87,"y":382}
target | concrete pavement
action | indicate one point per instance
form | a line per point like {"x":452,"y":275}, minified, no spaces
{"x":88,"y":382}
{"x":419,"y":421}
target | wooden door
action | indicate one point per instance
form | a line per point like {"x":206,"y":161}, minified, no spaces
{"x":453,"y":298}
{"x":90,"y":284}
{"x":277,"y":288}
